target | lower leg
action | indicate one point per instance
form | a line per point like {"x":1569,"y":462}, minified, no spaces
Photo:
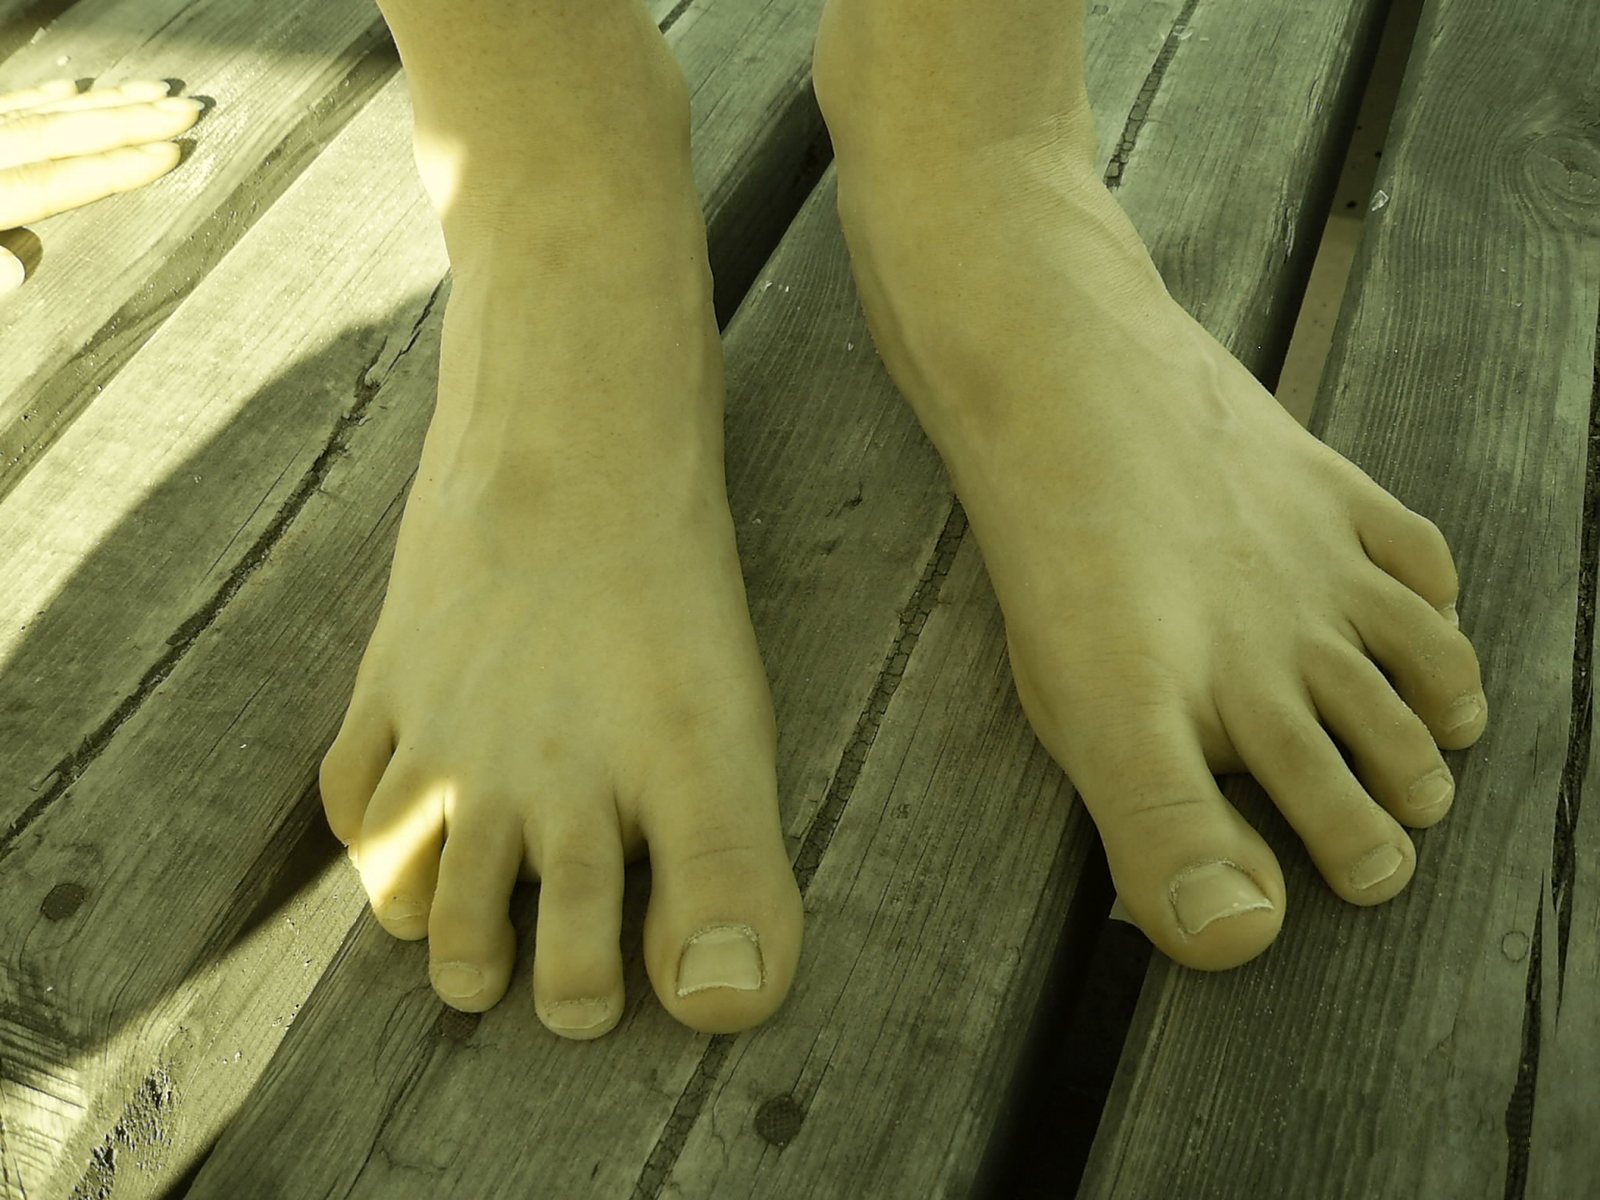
{"x":564,"y":670}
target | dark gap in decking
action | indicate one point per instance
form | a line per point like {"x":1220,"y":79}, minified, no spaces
{"x":1563,"y":856}
{"x":1147,"y":94}
{"x":67,"y":772}
{"x":913,"y":616}
{"x":1519,"y":1109}
{"x":1563,"y":850}
{"x":172,"y":279}
{"x":912,"y":619}
{"x":671,"y":19}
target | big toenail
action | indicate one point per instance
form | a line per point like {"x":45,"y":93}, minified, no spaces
{"x":1432,"y":790}
{"x":458,"y":980}
{"x":1210,"y":891}
{"x":1462,"y":713}
{"x":577,"y":1016}
{"x":1377,"y":866}
{"x":720,"y":956}
{"x":401,"y":910}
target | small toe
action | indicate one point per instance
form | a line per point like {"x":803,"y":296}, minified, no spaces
{"x":1195,"y":876}
{"x":722,"y":932}
{"x":1407,"y":546}
{"x":1433,"y":665}
{"x":472,"y":945}
{"x":1395,"y":756}
{"x":1360,"y":849}
{"x":397,"y":852}
{"x":352,"y":767}
{"x":577,"y":964}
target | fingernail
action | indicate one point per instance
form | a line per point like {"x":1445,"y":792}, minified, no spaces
{"x":1462,"y":713}
{"x":458,"y":980}
{"x":577,"y":1016}
{"x":160,"y":151}
{"x":720,"y":956}
{"x":178,"y":104}
{"x":1211,"y":891}
{"x":1451,"y":615}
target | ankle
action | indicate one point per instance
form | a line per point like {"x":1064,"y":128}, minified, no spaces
{"x":892,"y":88}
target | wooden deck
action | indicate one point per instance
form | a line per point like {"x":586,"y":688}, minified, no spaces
{"x":213,"y":392}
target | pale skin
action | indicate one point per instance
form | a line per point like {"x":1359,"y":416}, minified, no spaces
{"x":564,"y":677}
{"x":61,"y":149}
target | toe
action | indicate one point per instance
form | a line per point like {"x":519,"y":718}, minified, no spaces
{"x":1200,"y":882}
{"x":722,"y":933}
{"x":1360,"y":849}
{"x":1396,"y":758}
{"x":397,"y":851}
{"x":472,"y":947}
{"x":577,"y":964}
{"x":1433,"y":665}
{"x":352,"y":767}
{"x":1406,"y":545}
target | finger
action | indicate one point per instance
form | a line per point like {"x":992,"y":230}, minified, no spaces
{"x":39,"y":137}
{"x":11,"y":271}
{"x":35,"y":191}
{"x":45,"y":93}
{"x":141,"y":92}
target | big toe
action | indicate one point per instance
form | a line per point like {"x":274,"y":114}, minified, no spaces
{"x":1200,"y":882}
{"x":722,"y":933}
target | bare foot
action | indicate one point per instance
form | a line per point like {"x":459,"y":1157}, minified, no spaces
{"x":1192,"y":584}
{"x":564,"y":670}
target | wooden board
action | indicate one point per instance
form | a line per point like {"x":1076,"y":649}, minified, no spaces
{"x":1445,"y":1043}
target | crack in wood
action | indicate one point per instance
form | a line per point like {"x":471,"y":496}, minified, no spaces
{"x":70,"y":769}
{"x":678,"y":10}
{"x":1147,"y":94}
{"x":1519,"y":1109}
{"x":1563,"y":850}
{"x":913,"y":617}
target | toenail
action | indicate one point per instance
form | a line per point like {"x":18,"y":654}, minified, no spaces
{"x":1462,"y":713}
{"x":577,"y":1016}
{"x":720,"y":956}
{"x":458,"y":980}
{"x":1375,"y":868}
{"x":1432,"y":790}
{"x":1211,"y":891}
{"x":401,"y":910}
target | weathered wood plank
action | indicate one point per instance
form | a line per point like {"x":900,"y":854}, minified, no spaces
{"x":1444,"y":1043}
{"x":288,"y":358}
